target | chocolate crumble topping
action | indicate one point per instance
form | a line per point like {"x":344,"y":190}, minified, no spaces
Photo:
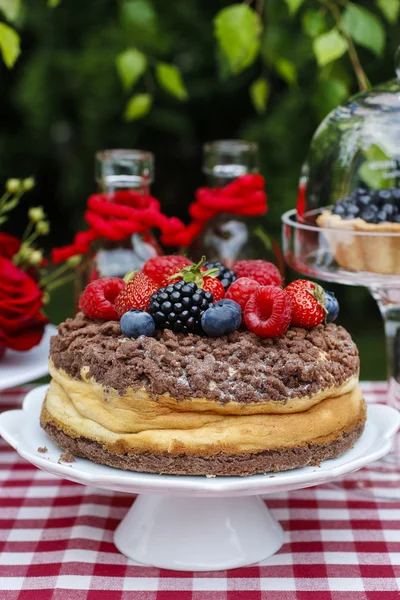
{"x":239,"y":367}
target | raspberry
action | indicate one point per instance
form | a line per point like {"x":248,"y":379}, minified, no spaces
{"x":136,"y":294}
{"x":241,"y":290}
{"x":266,"y":273}
{"x":268,"y":312}
{"x":97,"y":301}
{"x":308,"y":303}
{"x":160,"y":268}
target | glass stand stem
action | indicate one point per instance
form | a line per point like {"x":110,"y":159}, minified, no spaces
{"x":389,"y":304}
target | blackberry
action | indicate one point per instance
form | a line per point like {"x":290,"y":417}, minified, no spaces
{"x":379,"y":206}
{"x":224,"y":274}
{"x":179,"y":307}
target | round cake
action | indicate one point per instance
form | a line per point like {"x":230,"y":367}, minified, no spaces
{"x":177,"y":403}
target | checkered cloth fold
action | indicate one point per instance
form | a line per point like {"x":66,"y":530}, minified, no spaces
{"x":56,"y":541}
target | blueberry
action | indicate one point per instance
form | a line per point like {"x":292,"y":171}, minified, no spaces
{"x":353,"y":210}
{"x":384,"y":195}
{"x":229,"y":302}
{"x":370,"y":214}
{"x":338,"y":209}
{"x":390,"y":210}
{"x":382,"y":216}
{"x":364,"y":200}
{"x":396,"y":193}
{"x":332,"y":306}
{"x":221,"y":319}
{"x":137,"y":322}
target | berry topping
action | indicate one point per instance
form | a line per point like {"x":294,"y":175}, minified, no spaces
{"x":224,"y":274}
{"x":97,"y":301}
{"x":136,"y":294}
{"x":205,"y":279}
{"x":268,"y":312}
{"x":221,"y":318}
{"x":180,"y":306}
{"x":161,"y":268}
{"x":137,"y":322}
{"x":242,"y":289}
{"x":266,"y":273}
{"x":379,"y":206}
{"x":332,"y":306}
{"x":308,"y":303}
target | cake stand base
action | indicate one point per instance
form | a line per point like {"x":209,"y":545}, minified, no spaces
{"x":227,"y":533}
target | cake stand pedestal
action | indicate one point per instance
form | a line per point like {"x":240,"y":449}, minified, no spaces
{"x":189,"y":523}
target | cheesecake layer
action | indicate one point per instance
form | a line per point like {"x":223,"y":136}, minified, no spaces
{"x":129,"y":431}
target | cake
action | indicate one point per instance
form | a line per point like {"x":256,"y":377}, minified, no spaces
{"x":193,"y":404}
{"x":366,"y":214}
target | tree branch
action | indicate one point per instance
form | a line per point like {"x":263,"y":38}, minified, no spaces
{"x":362,"y":79}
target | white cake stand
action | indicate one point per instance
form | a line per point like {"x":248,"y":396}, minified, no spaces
{"x":17,"y":368}
{"x":194,"y":523}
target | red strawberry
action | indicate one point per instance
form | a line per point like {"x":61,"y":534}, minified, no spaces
{"x":241,"y":290}
{"x":266,"y":273}
{"x":160,"y":268}
{"x":136,"y":294}
{"x":308,"y":303}
{"x":98,"y":299}
{"x":268,"y":312}
{"x":203,"y":278}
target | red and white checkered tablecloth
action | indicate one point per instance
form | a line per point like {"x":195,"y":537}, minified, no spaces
{"x":56,"y":542}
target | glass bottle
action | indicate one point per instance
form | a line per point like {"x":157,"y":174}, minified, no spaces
{"x":230,"y":237}
{"x":118,"y":171}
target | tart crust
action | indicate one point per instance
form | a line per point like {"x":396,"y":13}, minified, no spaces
{"x":359,"y":252}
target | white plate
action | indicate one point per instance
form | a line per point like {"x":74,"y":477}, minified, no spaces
{"x":188,"y":522}
{"x":17,"y":368}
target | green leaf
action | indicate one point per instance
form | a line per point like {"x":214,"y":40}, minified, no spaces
{"x":53,"y":3}
{"x":237,"y":29}
{"x":259,"y":92}
{"x":131,"y":64}
{"x":286,"y":69}
{"x":294,"y":5}
{"x":3,"y":220}
{"x":374,"y":170}
{"x":365,"y":28}
{"x":390,"y":9}
{"x":9,"y":44}
{"x":170,"y":79}
{"x":138,"y":106}
{"x":329,"y":47}
{"x":10,"y":9}
{"x":313,"y":23}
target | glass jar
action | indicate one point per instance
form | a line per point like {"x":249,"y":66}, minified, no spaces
{"x":229,"y":237}
{"x":119,"y":171}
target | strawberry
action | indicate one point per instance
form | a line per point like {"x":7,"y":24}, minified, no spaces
{"x":241,"y":290}
{"x":98,"y":299}
{"x":205,"y":279}
{"x":136,"y":294}
{"x":268,"y":312}
{"x":266,"y":273}
{"x":308,"y":303}
{"x":160,"y":268}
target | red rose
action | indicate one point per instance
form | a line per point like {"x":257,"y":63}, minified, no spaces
{"x":9,"y":245}
{"x":21,"y":300}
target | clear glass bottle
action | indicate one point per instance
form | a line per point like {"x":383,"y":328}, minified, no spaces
{"x":118,"y":171}
{"x":230,"y":237}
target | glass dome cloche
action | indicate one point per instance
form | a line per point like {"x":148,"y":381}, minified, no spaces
{"x":346,"y":226}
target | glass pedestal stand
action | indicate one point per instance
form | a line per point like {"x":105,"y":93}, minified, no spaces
{"x":371,"y":260}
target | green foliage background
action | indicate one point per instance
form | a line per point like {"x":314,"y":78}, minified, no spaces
{"x":64,"y":100}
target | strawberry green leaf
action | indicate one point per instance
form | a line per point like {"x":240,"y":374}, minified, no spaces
{"x":10,"y":9}
{"x":390,"y":9}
